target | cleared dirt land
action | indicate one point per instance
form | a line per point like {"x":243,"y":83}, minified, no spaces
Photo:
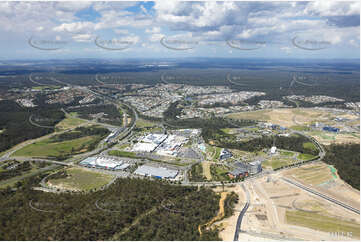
{"x":279,"y":210}
{"x":228,"y":226}
{"x":314,"y":174}
{"x":327,"y":138}
{"x":300,"y":118}
{"x":206,"y":170}
{"x":289,"y":117}
{"x":283,"y":117}
{"x":81,"y":179}
{"x":324,"y":178}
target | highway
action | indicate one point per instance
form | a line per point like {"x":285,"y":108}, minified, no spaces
{"x":241,"y":214}
{"x":322,"y":196}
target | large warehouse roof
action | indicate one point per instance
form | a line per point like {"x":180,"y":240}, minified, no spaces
{"x":146,"y":147}
{"x":154,"y":138}
{"x":161,"y":172}
{"x":104,"y":162}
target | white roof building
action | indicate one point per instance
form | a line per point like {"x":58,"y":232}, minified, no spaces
{"x":159,"y":172}
{"x":144,"y":147}
{"x":154,"y":138}
{"x":104,"y":162}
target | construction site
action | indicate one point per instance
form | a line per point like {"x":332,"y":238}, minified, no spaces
{"x":280,"y":210}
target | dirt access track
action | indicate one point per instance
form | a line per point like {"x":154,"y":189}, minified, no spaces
{"x":219,"y":216}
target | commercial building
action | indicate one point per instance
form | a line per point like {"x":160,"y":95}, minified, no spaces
{"x":157,"y":172}
{"x":149,"y":142}
{"x":255,"y":167}
{"x":171,"y":145}
{"x":144,"y":147}
{"x":331,"y":129}
{"x":245,"y":169}
{"x":167,"y":145}
{"x":104,"y":163}
{"x":154,"y":138}
{"x":238,"y":173}
{"x":225,"y":154}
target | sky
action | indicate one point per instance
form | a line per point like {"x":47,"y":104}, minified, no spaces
{"x":171,"y":29}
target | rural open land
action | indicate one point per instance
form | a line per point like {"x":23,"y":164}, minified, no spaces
{"x":279,"y":210}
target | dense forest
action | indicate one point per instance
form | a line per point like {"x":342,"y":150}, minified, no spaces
{"x":346,"y":159}
{"x":14,"y":118}
{"x":130,"y":209}
{"x":294,"y":142}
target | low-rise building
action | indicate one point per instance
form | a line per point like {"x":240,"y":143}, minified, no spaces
{"x":255,"y":167}
{"x":245,"y":169}
{"x":238,"y":173}
{"x":225,"y":154}
{"x":104,"y":163}
{"x":156,"y":172}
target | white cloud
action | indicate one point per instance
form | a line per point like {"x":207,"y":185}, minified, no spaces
{"x":286,"y":49}
{"x":333,"y":8}
{"x":121,"y":31}
{"x":82,"y":38}
{"x":154,"y":30}
{"x":76,"y":27}
{"x":156,"y":37}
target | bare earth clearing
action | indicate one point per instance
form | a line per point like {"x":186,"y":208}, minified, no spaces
{"x":279,"y":210}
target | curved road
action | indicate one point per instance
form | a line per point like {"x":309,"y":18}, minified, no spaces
{"x":241,"y":214}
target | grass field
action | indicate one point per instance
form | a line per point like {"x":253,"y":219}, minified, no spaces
{"x":46,"y":87}
{"x":286,"y":153}
{"x":69,"y":122}
{"x":122,"y":154}
{"x":82,"y":179}
{"x":276,"y":162}
{"x":322,"y":222}
{"x":46,"y":148}
{"x":217,"y":153}
{"x":141,"y":123}
{"x":305,"y":156}
{"x":122,"y":146}
{"x":219,"y":172}
{"x":309,"y":146}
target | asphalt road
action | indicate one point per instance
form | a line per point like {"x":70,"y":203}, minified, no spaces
{"x":241,"y":214}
